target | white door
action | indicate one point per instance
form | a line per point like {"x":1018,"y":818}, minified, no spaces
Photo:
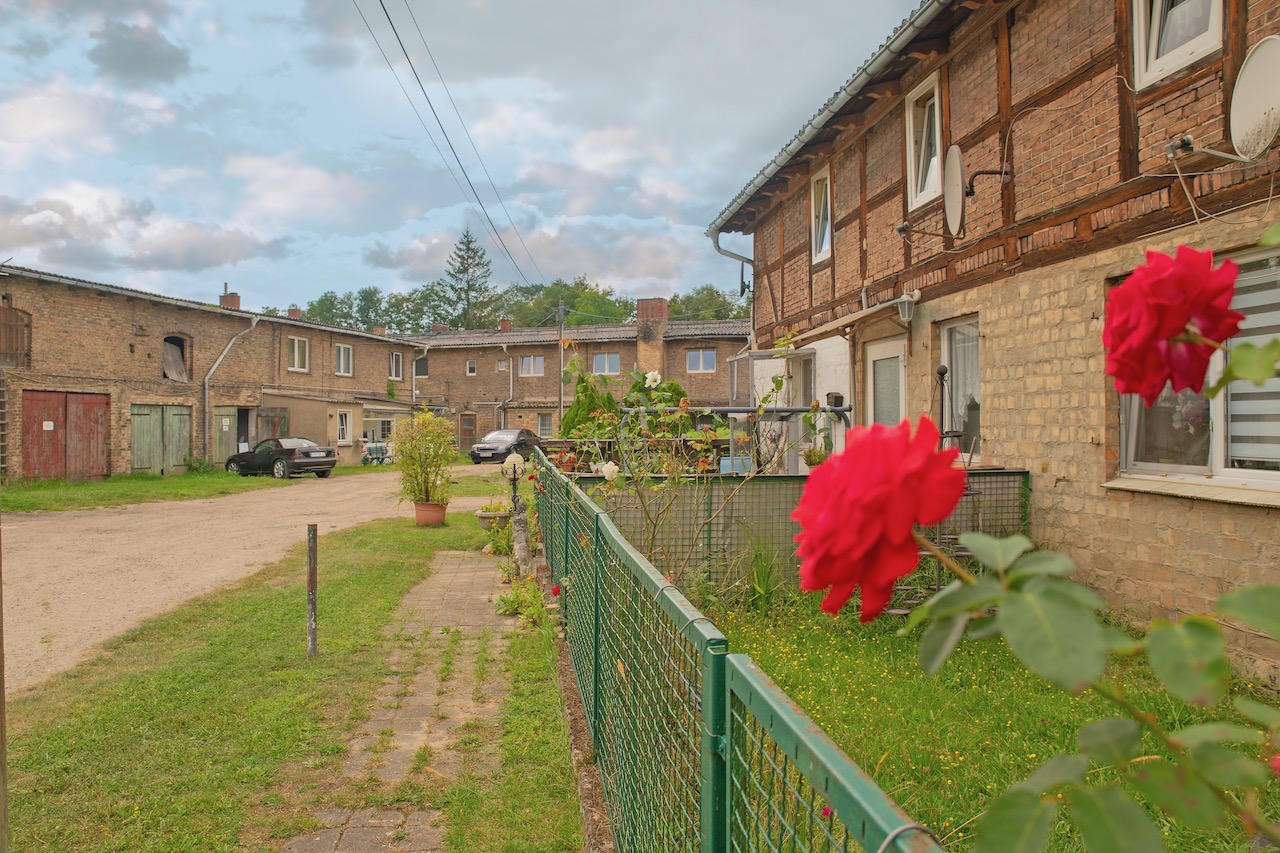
{"x":886,"y":399}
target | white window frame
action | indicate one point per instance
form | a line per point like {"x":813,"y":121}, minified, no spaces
{"x":1217,"y":470}
{"x":878,"y":351}
{"x":702,"y":360}
{"x":1149,"y":68}
{"x":471,"y":367}
{"x":299,"y":355}
{"x":820,"y":227}
{"x":537,"y":365}
{"x":550,"y":422}
{"x":917,"y":119}
{"x":338,"y":351}
{"x":395,"y":366}
{"x":605,"y":356}
{"x":954,"y":404}
{"x":344,"y":426}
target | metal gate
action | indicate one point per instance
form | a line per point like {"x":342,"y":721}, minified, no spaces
{"x":65,"y":436}
{"x":161,"y":438}
{"x":466,"y":432}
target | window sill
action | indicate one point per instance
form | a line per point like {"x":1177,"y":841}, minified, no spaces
{"x":703,"y":372}
{"x":343,"y":443}
{"x":298,"y":369}
{"x":1207,"y":491}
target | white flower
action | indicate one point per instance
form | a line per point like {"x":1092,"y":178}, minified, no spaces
{"x":609,"y":471}
{"x":652,"y":379}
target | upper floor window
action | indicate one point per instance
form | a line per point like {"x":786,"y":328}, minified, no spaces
{"x":1233,"y":438}
{"x":606,"y":362}
{"x":395,"y":365}
{"x":1169,"y":35}
{"x":299,"y":355}
{"x":471,"y":367}
{"x":924,"y":138}
{"x":174,"y":361}
{"x":531,"y":365}
{"x":701,"y":361}
{"x":341,"y":360}
{"x":820,"y":219}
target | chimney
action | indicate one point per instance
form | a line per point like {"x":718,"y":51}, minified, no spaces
{"x":504,"y":325}
{"x":651,"y":329}
{"x":379,"y":330}
{"x":295,"y":313}
{"x":439,"y":327}
{"x":652,"y":309}
{"x":229,"y":299}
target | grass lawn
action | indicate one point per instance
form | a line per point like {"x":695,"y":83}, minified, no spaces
{"x":944,"y":746}
{"x":183,"y":734}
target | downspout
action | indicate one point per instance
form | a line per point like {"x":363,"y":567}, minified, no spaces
{"x":425,"y":347}
{"x":511,"y":380}
{"x":208,"y":415}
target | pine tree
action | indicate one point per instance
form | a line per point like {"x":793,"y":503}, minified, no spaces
{"x":464,"y":296}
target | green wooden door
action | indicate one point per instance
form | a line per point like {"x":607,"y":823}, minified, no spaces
{"x":224,"y":433}
{"x":147,"y":438}
{"x":177,"y":438}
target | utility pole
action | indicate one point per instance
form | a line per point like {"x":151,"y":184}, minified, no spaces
{"x":560,"y":346}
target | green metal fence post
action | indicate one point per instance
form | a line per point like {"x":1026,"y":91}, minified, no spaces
{"x":595,"y":630}
{"x":715,"y":781}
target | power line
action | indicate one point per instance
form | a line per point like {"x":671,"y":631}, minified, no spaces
{"x":449,"y":142}
{"x":458,"y":113}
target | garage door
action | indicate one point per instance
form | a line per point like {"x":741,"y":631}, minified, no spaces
{"x":160,"y":438}
{"x":65,"y":436}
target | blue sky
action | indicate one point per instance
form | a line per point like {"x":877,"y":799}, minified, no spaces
{"x":174,"y":146}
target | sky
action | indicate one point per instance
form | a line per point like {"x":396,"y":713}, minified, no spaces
{"x":173,"y":147}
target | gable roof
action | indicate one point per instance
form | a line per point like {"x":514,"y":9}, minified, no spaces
{"x":676,"y":330}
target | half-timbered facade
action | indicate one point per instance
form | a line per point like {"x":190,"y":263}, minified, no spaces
{"x":1071,"y":117}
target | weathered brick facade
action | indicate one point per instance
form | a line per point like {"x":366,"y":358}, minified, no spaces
{"x":1049,"y":85}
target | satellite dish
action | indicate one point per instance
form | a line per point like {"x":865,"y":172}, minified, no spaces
{"x":1255,"y":102}
{"x":953,"y":190}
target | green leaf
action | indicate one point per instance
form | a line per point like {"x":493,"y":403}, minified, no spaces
{"x":1226,"y":768}
{"x":1055,"y":636}
{"x":1193,"y":736}
{"x":1178,"y":792}
{"x":1120,"y":642}
{"x":1261,"y":714}
{"x":1042,"y":563}
{"x":940,"y":640}
{"x":1081,"y":595}
{"x":1256,"y":606}
{"x":1018,"y":822}
{"x":1114,"y":740}
{"x":1060,"y":770}
{"x":1253,"y":363}
{"x":1190,"y":659}
{"x":968,"y":597}
{"x":1270,"y":237}
{"x":1111,"y":822}
{"x":994,"y":553}
{"x":983,"y":628}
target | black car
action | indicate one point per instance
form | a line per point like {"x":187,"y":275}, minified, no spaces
{"x":501,"y":443}
{"x":284,"y":457}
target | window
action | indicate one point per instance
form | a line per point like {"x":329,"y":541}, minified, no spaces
{"x":341,"y":360}
{"x":395,"y":366}
{"x":471,"y":367}
{"x":606,"y":362}
{"x":820,"y":219}
{"x":174,"y":361}
{"x":531,"y":365}
{"x":299,"y":355}
{"x":1234,"y":438}
{"x":1169,"y":35}
{"x":962,"y":400}
{"x":924,"y":135}
{"x":544,"y":425}
{"x":502,"y":365}
{"x":701,"y":361}
{"x":420,"y":366}
{"x":377,"y":429}
{"x":344,"y":427}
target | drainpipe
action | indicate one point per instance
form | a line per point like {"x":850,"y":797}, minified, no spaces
{"x":511,"y":380}
{"x":425,"y":347}
{"x":208,"y":416}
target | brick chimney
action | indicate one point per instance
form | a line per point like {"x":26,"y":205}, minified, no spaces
{"x":651,"y":329}
{"x":229,"y":299}
{"x":379,"y":330}
{"x":295,"y":313}
{"x":504,"y":325}
{"x":439,"y":327}
{"x":653,"y":308}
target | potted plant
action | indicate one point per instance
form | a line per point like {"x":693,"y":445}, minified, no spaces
{"x":426,"y":445}
{"x":495,"y":514}
{"x":814,"y":456}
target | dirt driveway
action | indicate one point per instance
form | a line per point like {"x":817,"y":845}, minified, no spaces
{"x":75,"y":579}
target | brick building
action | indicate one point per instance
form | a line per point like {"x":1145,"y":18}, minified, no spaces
{"x":508,"y":377}
{"x":97,"y":379}
{"x":1064,"y":111}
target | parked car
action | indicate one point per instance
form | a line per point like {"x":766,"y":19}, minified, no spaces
{"x":501,"y":443}
{"x":284,"y":457}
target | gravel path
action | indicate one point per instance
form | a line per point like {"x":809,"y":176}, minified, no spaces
{"x":75,"y":579}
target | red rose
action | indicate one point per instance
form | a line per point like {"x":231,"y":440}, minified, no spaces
{"x":555,"y":590}
{"x":1159,"y":322}
{"x":1275,"y":763}
{"x":857,"y":515}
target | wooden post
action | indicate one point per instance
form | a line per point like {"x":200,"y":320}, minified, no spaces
{"x":311,"y":590}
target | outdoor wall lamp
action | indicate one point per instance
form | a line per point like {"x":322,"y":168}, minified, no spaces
{"x":906,"y":304}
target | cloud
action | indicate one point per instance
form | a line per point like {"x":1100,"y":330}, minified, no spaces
{"x":193,"y":246}
{"x":30,"y":46}
{"x":72,"y":10}
{"x":135,"y":55}
{"x":280,"y":189}
{"x":422,"y":259}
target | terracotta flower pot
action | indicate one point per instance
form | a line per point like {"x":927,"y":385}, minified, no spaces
{"x":428,"y":514}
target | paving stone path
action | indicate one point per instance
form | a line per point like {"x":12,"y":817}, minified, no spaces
{"x":435,"y":717}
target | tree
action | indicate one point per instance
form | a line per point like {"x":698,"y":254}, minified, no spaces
{"x":705,"y":302}
{"x":370,"y":308}
{"x":333,"y":309}
{"x":464,"y":296}
{"x":585,"y":304}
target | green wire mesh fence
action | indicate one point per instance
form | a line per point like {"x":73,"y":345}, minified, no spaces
{"x":697,"y":750}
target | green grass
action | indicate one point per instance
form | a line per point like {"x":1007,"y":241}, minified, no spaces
{"x":47,"y":495}
{"x":176,"y":736}
{"x":944,"y":746}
